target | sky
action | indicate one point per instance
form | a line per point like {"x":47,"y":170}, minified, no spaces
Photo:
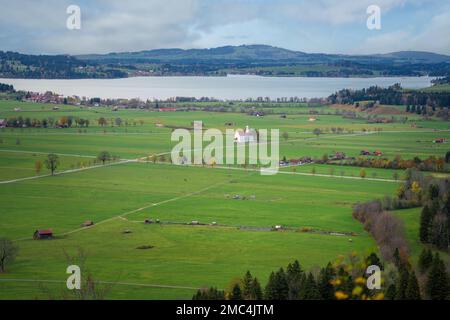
{"x":326,"y":26}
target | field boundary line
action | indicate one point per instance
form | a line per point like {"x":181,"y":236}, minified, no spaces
{"x":162,"y":286}
{"x":66,"y":172}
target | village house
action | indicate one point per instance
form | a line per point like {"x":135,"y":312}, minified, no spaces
{"x":244,"y":136}
{"x":88,"y":223}
{"x":3,"y":123}
{"x":440,"y":140}
{"x":43,"y":234}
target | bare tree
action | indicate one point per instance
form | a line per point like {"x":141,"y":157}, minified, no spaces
{"x":8,"y":252}
{"x":52,"y":162}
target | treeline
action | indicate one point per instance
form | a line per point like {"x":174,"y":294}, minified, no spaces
{"x":62,"y":122}
{"x":435,"y":216}
{"x":393,"y":95}
{"x":6,"y":87}
{"x":339,"y":280}
{"x":16,"y":65}
{"x":344,"y":279}
{"x":432,"y":163}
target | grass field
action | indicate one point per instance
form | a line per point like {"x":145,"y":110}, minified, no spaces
{"x":316,"y":209}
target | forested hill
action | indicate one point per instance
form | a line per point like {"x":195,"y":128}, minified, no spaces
{"x":16,"y":65}
{"x":247,"y":59}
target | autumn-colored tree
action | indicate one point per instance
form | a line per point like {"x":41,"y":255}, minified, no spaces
{"x":38,"y":166}
{"x":362,"y":173}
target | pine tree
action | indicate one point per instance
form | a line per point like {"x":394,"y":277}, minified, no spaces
{"x":256,"y":290}
{"x":247,"y":282}
{"x":324,"y":285}
{"x":402,"y":283}
{"x":412,"y":289}
{"x":437,"y":286}
{"x":425,"y":224}
{"x":281,"y":285}
{"x":236,"y":293}
{"x":391,"y":292}
{"x":294,"y":278}
{"x":425,"y":260}
{"x":311,"y":291}
{"x":270,"y":290}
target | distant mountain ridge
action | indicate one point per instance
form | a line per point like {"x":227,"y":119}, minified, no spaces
{"x":259,"y":60}
{"x":258,"y":53}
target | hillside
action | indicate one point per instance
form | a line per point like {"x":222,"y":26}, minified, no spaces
{"x":246,"y":59}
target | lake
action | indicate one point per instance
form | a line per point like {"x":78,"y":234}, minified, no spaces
{"x":226,"y":88}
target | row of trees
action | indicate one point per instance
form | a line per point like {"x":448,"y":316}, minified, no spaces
{"x":102,"y":121}
{"x":339,"y":280}
{"x":62,"y":122}
{"x":432,"y":163}
{"x":52,"y":161}
{"x":393,"y":95}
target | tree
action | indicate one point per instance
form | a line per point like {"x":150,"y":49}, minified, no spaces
{"x":317,"y":132}
{"x":437,"y":286}
{"x":425,"y":224}
{"x":362,"y":173}
{"x":270,"y":290}
{"x":447,"y":157}
{"x":118,"y":122}
{"x":425,"y":260}
{"x":236,"y":293}
{"x":104,"y":156}
{"x":256,"y":292}
{"x":247,"y":282}
{"x":311,"y":292}
{"x":402,"y":282}
{"x":52,"y":162}
{"x":209,"y":294}
{"x":285,"y":136}
{"x":8,"y":252}
{"x":412,"y":289}
{"x":324,"y":285}
{"x":102,"y":121}
{"x":391,"y":292}
{"x":38,"y":166}
{"x":294,"y":276}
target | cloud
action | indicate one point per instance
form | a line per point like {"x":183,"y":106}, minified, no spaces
{"x":117,"y":25}
{"x":434,"y":38}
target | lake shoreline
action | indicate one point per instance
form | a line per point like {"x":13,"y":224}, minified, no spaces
{"x":231,"y":87}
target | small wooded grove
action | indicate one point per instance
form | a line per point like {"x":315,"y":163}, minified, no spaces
{"x":50,"y":122}
{"x":416,"y":191}
{"x":393,"y":95}
{"x":432,"y":163}
{"x":344,"y":279}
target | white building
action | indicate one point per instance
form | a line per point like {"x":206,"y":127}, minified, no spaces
{"x":249,"y":135}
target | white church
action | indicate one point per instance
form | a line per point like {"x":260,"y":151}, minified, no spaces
{"x":244,"y":136}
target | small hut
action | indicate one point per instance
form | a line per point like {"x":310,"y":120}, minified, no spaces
{"x":87,"y":223}
{"x":43,"y":234}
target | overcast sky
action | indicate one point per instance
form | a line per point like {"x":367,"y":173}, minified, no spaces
{"x":330,"y":26}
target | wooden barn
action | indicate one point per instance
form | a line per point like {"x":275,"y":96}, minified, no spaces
{"x":43,"y":234}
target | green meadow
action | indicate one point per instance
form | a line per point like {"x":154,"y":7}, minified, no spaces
{"x":235,"y":209}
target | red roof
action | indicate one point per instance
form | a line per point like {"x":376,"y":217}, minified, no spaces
{"x":45,"y":232}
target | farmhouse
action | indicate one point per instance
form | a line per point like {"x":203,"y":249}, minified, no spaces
{"x":88,"y":223}
{"x":3,"y":123}
{"x":43,"y":234}
{"x":440,"y":140}
{"x":249,"y":135}
{"x":312,"y":119}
